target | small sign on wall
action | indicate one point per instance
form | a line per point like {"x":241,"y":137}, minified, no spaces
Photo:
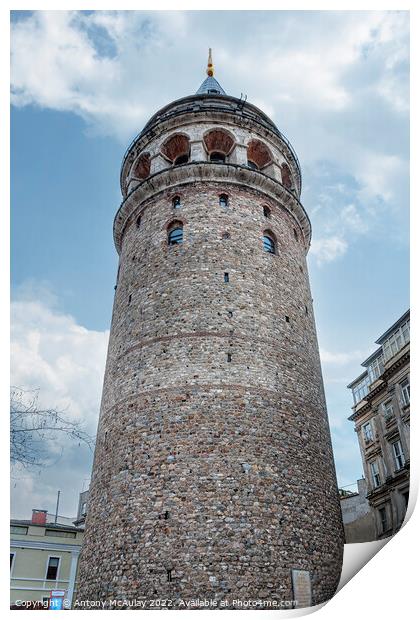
{"x":302,"y":592}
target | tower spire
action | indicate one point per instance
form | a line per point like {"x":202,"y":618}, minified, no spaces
{"x":210,"y":67}
{"x":210,"y":86}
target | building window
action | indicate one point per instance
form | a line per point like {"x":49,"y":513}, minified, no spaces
{"x":60,"y":534}
{"x":219,"y":143}
{"x":226,"y":235}
{"x":259,"y":155}
{"x":218,"y":158}
{"x":226,"y":276}
{"x":176,"y":149}
{"x":376,"y":479}
{"x":383,"y":519}
{"x":223,"y":200}
{"x":405,"y":392}
{"x":367,"y":432}
{"x":267,"y":212}
{"x":18,"y":529}
{"x":295,"y":234}
{"x":84,"y":508}
{"x":269,"y":243}
{"x":376,"y":368}
{"x":176,"y":202}
{"x":175,"y":234}
{"x":361,"y":389}
{"x":182,"y":159}
{"x":252,"y":165}
{"x":229,"y":357}
{"x":141,"y":169}
{"x":388,"y":409}
{"x":52,"y":568}
{"x":12,"y":557}
{"x":398,"y":454}
{"x":286,"y":176}
{"x":398,"y":339}
{"x":138,"y":221}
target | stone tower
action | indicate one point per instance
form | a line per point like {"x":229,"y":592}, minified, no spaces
{"x":213,"y":475}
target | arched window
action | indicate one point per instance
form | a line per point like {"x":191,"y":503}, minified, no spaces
{"x":141,"y":169}
{"x":259,"y":155}
{"x":286,"y":176}
{"x":266,"y":211}
{"x":176,"y":149}
{"x":176,"y":202}
{"x":175,"y":233}
{"x":269,"y":243}
{"x":223,"y":200}
{"x":219,"y":143}
{"x":182,"y":159}
{"x":218,"y":158}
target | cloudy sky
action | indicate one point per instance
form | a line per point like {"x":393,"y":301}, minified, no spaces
{"x":84,"y":84}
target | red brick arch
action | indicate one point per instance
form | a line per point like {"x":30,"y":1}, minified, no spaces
{"x":141,"y":169}
{"x":286,"y":176}
{"x":219,"y":140}
{"x":176,"y":146}
{"x":259,"y":153}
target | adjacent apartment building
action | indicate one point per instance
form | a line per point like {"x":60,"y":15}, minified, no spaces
{"x":44,"y":557}
{"x":381,"y":413}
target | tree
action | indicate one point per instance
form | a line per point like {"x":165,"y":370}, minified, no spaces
{"x":33,"y":428}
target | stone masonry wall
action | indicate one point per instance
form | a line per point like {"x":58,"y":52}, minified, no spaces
{"x":212,"y":478}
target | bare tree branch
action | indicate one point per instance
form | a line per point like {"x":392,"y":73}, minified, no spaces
{"x":32,"y":429}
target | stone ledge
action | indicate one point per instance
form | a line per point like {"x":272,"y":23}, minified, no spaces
{"x":191,"y":172}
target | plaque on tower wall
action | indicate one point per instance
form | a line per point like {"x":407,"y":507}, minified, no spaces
{"x":301,"y":582}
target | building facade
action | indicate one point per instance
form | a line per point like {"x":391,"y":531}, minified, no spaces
{"x":358,"y":516}
{"x":213,"y":475}
{"x":44,"y":555}
{"x":381,"y":414}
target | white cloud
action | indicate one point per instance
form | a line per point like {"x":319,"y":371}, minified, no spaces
{"x":65,"y":361}
{"x":335,"y":82}
{"x":50,"y":351}
{"x":328,"y":249}
{"x":341,"y":359}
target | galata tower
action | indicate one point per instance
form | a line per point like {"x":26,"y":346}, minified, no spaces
{"x":213,"y":481}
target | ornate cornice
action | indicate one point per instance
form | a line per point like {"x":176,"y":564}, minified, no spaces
{"x":218,"y":173}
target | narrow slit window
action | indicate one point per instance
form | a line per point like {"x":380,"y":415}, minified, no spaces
{"x":266,"y":211}
{"x":226,"y":276}
{"x":169,"y":574}
{"x":229,"y":357}
{"x":223,"y":200}
{"x":176,"y":202}
{"x":138,"y":221}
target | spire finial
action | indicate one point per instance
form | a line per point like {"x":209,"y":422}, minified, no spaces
{"x":210,"y":68}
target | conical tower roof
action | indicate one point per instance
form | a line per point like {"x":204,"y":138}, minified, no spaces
{"x":210,"y":86}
